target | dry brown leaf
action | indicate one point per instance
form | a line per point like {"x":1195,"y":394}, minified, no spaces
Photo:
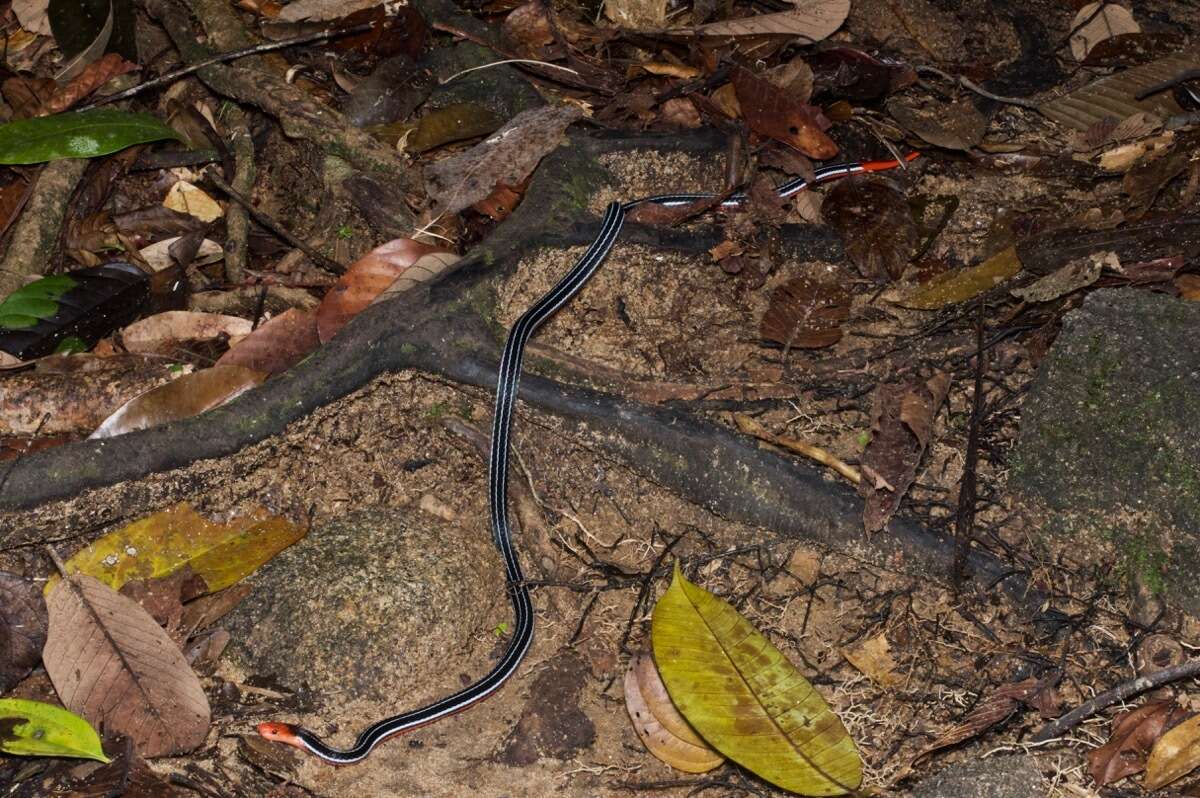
{"x":322,"y":10}
{"x":777,"y":114}
{"x":1094,"y":24}
{"x":28,"y":96}
{"x":368,"y":277}
{"x":508,"y":156}
{"x":955,"y":126}
{"x":1132,"y":736}
{"x":901,"y":427}
{"x":873,"y":657}
{"x":92,"y":77}
{"x":1114,"y":95}
{"x":22,"y":629}
{"x":183,"y":197}
{"x":167,"y":332}
{"x":112,"y":664}
{"x":183,"y":397}
{"x":873,"y":218}
{"x":806,"y":313}
{"x":276,"y":345}
{"x":1189,"y":286}
{"x":1176,"y":754}
{"x":32,"y":16}
{"x":992,"y":710}
{"x":811,"y":21}
{"x":1075,"y":275}
{"x":658,"y":723}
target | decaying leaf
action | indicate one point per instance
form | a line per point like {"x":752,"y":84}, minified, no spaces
{"x":1175,"y":754}
{"x":172,"y":330}
{"x":810,"y":21}
{"x":1133,"y":735}
{"x":1188,"y":286}
{"x":276,"y":345}
{"x":32,"y":16}
{"x":158,"y":255}
{"x":217,"y":554}
{"x":508,"y":156}
{"x":873,"y":219}
{"x":183,"y":197}
{"x":112,"y":664}
{"x":183,"y":397}
{"x":92,"y":77}
{"x":637,"y":14}
{"x":32,"y":728}
{"x":22,"y":628}
{"x":658,"y":723}
{"x":961,"y":285}
{"x":997,"y":707}
{"x":1096,"y":22}
{"x":322,"y":10}
{"x":855,"y":75}
{"x":873,"y":657}
{"x":1075,"y":275}
{"x":1115,"y":95}
{"x":770,"y":720}
{"x":955,"y":126}
{"x":369,"y":276}
{"x":806,"y":313}
{"x":777,"y":114}
{"x":901,"y":426}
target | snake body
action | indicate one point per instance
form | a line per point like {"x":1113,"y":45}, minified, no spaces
{"x":507,"y":383}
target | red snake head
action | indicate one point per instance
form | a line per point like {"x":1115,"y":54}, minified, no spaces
{"x":281,"y":733}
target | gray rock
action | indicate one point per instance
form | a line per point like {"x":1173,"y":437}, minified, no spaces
{"x":998,"y":777}
{"x":1108,"y":434}
{"x":371,"y":606}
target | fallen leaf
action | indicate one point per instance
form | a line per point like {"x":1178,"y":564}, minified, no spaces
{"x":158,"y":254}
{"x":955,"y":126}
{"x":872,"y":217}
{"x":1075,"y":275}
{"x":1114,"y":95}
{"x":1096,"y":22}
{"x":774,"y":113}
{"x":961,"y":285}
{"x":22,"y":629}
{"x":367,"y":278}
{"x":32,"y":16}
{"x":217,"y":554}
{"x":745,"y":698}
{"x":854,"y":75}
{"x":810,"y":21}
{"x":276,"y":345}
{"x":1133,"y":735}
{"x":183,"y":397}
{"x":322,"y":10}
{"x":1175,"y":754}
{"x":184,"y":197}
{"x":1189,"y":286}
{"x":992,"y":710}
{"x":806,"y":313}
{"x":873,"y":657}
{"x":32,"y":728}
{"x":203,"y":612}
{"x":112,"y":664}
{"x":508,"y":156}
{"x":901,"y":423}
{"x":27,"y":95}
{"x":658,"y":723}
{"x":92,"y":77}
{"x":173,"y":330}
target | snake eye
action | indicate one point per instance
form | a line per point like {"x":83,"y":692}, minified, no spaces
{"x":279,"y":733}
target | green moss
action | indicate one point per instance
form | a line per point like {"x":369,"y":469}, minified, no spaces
{"x":436,"y":411}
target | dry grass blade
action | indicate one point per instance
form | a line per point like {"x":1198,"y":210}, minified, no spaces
{"x":112,"y":664}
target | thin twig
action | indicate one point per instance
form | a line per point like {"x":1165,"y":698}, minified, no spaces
{"x":508,"y":61}
{"x":269,"y":223}
{"x":1130,"y":688}
{"x":968,"y":84}
{"x":233,"y":55}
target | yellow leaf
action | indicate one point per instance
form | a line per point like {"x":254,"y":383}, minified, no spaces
{"x":163,"y":543}
{"x":745,"y":698}
{"x":963,"y":284}
{"x":659,"y":725}
{"x":873,"y":657}
{"x":1176,"y":754}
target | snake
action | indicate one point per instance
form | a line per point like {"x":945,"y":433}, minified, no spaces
{"x":507,"y":382}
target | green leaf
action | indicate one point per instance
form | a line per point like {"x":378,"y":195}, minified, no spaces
{"x":745,"y":698}
{"x":82,"y":134}
{"x":31,"y":728}
{"x":38,"y":300}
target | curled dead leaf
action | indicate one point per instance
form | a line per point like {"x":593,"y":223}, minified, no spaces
{"x":658,"y":723}
{"x":183,"y":397}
